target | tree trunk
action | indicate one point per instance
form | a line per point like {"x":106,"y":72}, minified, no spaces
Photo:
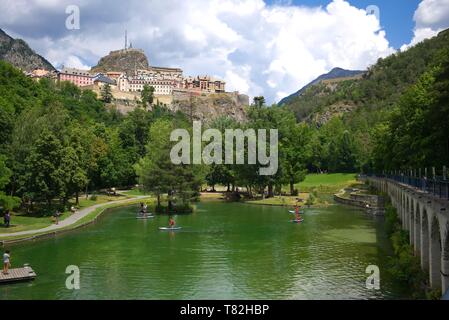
{"x":250,"y":194}
{"x":270,"y":190}
{"x":292,"y":188}
{"x":158,"y":200}
{"x":229,"y":188}
{"x":77,"y":198}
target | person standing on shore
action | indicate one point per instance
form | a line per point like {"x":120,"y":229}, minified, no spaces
{"x":56,"y":216}
{"x":6,"y":262}
{"x":7,"y":219}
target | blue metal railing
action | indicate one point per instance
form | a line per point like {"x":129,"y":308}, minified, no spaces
{"x":437,"y":186}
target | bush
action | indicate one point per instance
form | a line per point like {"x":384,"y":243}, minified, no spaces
{"x":392,"y":223}
{"x":310,"y":200}
{"x":179,"y":209}
{"x":434,"y":294}
{"x":93,"y":197}
{"x":404,"y":266}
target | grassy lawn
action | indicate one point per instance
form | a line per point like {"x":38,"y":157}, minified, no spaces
{"x":327,"y":183}
{"x":91,"y":216}
{"x":22,"y":222}
{"x":211,"y":196}
{"x":84,"y":203}
{"x":319,"y":184}
{"x":280,"y":200}
{"x":135,"y":193}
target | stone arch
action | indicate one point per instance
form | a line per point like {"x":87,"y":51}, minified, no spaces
{"x":407,"y":212}
{"x":435,"y":254}
{"x":424,"y":240}
{"x":404,"y":222}
{"x":445,"y":261}
{"x":417,"y":240}
{"x":411,"y":220}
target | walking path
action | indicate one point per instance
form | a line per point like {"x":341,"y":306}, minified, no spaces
{"x":71,"y":219}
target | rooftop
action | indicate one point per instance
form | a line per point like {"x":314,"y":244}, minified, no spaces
{"x":77,"y":72}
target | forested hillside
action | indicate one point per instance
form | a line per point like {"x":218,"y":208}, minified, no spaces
{"x":57,"y":140}
{"x":396,"y":115}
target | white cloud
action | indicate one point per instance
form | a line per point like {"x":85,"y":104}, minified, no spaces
{"x":257,"y":48}
{"x":431,"y":17}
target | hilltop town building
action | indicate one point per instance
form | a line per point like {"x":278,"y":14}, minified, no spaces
{"x":101,"y":80}
{"x":80,"y":78}
{"x":204,"y":84}
{"x":139,"y":73}
{"x":164,"y":80}
{"x":38,"y":74}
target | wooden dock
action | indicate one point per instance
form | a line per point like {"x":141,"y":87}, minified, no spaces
{"x":18,"y":274}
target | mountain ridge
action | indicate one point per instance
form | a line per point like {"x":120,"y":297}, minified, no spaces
{"x":19,"y":54}
{"x":335,"y":73}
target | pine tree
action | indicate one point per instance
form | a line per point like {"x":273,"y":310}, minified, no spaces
{"x":106,"y":93}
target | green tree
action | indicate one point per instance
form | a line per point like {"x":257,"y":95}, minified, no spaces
{"x":75,"y":175}
{"x":259,"y":101}
{"x":45,"y":175}
{"x":156,"y":171}
{"x":296,"y":154}
{"x":106,"y":93}
{"x":147,"y":96}
{"x":7,"y":202}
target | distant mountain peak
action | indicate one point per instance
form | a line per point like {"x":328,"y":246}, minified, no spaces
{"x":335,"y":73}
{"x":19,"y":54}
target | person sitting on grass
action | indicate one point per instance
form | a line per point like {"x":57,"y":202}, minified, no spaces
{"x":6,"y":262}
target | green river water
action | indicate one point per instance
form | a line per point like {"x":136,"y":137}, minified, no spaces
{"x":224,"y":251}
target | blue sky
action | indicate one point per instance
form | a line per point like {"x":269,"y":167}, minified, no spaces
{"x":259,"y":47}
{"x":396,"y":16}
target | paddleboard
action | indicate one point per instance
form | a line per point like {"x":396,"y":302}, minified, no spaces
{"x":169,"y":228}
{"x":143,"y":217}
{"x":297,"y":221}
{"x":294,"y":212}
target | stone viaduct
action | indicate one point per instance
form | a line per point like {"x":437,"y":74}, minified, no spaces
{"x":426,"y":217}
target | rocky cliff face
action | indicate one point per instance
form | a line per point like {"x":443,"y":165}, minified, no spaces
{"x":210,"y":107}
{"x":335,"y":110}
{"x":203,"y":108}
{"x":123,"y":61}
{"x":19,"y":54}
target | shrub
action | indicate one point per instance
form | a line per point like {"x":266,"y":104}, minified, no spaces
{"x":404,"y":266}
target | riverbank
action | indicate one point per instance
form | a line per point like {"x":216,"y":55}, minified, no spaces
{"x":318,"y":185}
{"x":77,"y":220}
{"x":23,"y":221}
{"x":215,"y":251}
